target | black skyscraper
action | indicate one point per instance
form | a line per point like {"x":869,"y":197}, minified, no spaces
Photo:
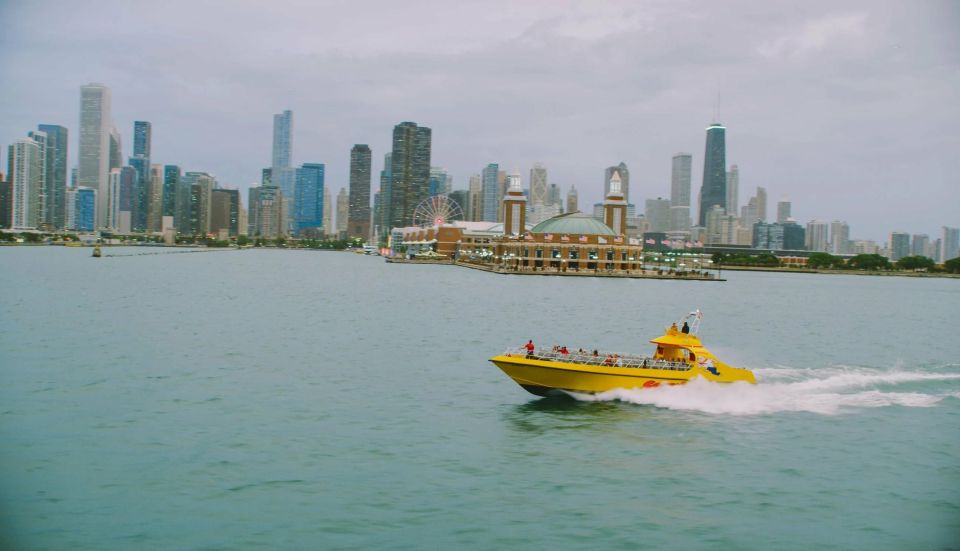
{"x":714,"y":189}
{"x":410,"y":173}
{"x":358,"y":217}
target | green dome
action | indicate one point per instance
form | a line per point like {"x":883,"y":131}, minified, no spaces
{"x":574,"y":223}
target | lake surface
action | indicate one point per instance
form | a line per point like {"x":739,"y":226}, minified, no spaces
{"x":306,"y":399}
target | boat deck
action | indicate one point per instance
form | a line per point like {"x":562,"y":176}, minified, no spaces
{"x":622,"y":360}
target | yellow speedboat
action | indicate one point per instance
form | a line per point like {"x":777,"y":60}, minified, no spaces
{"x":679,"y":358}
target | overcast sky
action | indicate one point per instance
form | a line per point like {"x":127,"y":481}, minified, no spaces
{"x":848,"y":109}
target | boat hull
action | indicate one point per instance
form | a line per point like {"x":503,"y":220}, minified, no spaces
{"x":546,"y":377}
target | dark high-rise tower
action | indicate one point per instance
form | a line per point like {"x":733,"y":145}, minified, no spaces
{"x":358,"y":216}
{"x":410,"y":172}
{"x":141,"y":138}
{"x":714,"y":189}
{"x":55,"y":185}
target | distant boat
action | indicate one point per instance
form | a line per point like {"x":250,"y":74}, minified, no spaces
{"x":96,"y":250}
{"x":679,"y":358}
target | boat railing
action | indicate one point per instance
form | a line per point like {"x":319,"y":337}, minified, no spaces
{"x":607,"y":360}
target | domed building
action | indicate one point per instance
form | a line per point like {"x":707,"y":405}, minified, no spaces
{"x":572,"y":242}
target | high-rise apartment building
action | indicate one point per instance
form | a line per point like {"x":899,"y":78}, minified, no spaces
{"x":919,"y":244}
{"x":761,"y":203}
{"x":26,"y":166}
{"x":142,"y":136}
{"x":783,"y":211}
{"x":949,"y":244}
{"x":624,"y":173}
{"x":818,"y":236}
{"x":93,"y":168}
{"x":116,"y":149}
{"x":680,"y":192}
{"x":171,"y":180}
{"x":899,"y":245}
{"x":6,"y":201}
{"x":488,"y":182}
{"x":409,"y":174}
{"x":225,"y":212}
{"x":155,"y":198}
{"x":328,"y":228}
{"x":309,"y":201}
{"x":85,"y":208}
{"x":773,"y":237}
{"x":733,"y":186}
{"x":839,"y":237}
{"x":53,"y":213}
{"x":358,"y":217}
{"x":713,"y":192}
{"x":267,"y":215}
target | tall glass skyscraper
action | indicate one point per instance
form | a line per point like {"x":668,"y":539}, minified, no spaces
{"x":93,"y":168}
{"x":309,"y":197}
{"x":383,"y":197}
{"x":171,"y":179}
{"x":410,"y":172}
{"x":358,"y":224}
{"x":282,"y":172}
{"x":55,"y":185}
{"x":142,"y":131}
{"x":714,"y":189}
{"x":489,"y":189}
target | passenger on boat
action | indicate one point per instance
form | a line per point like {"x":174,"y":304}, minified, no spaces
{"x":608,"y":360}
{"x":563,"y":350}
{"x":530,"y":348}
{"x":686,"y":328}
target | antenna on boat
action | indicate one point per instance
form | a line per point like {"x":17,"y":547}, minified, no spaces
{"x":694,"y":319}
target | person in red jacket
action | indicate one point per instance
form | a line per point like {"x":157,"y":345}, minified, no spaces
{"x":530,"y":348}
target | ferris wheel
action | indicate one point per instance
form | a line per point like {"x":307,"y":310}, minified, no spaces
{"x":436,"y":210}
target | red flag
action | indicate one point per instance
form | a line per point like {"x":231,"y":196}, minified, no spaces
{"x":651,"y":241}
{"x":583,"y":238}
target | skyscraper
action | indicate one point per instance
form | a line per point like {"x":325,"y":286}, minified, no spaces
{"x":657,"y":213}
{"x":713,"y":192}
{"x":538,"y":186}
{"x":440,"y":181}
{"x":839,"y":237}
{"x":142,"y":131}
{"x":624,"y":173}
{"x":358,"y":224}
{"x":680,"y":192}
{"x":141,"y":185}
{"x":783,"y":211}
{"x":328,"y":228}
{"x":410,"y":172}
{"x":949,"y":244}
{"x":171,"y":179}
{"x":919,"y":244}
{"x":281,"y":169}
{"x":488,"y":179}
{"x":55,"y":183}
{"x":572,"y":199}
{"x":817,"y":235}
{"x":26,"y":166}
{"x":899,"y":245}
{"x":93,"y":168}
{"x":474,"y":208}
{"x":309,"y":201}
{"x":343,"y":213}
{"x":225,"y":212}
{"x":383,"y":213}
{"x":733,"y":186}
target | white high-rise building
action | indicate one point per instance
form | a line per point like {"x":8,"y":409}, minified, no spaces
{"x":818,"y":236}
{"x":733,"y":185}
{"x":328,"y":228}
{"x":680,"y":192}
{"x":343,"y":211}
{"x":783,"y":211}
{"x":761,"y":204}
{"x":839,"y":237}
{"x":93,"y":168}
{"x":26,"y":178}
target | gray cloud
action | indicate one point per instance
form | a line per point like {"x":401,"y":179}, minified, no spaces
{"x":848,"y":110}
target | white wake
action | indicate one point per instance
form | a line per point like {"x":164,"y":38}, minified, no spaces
{"x":825,"y":391}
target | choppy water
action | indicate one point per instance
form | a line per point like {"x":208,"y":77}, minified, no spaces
{"x":289,"y":399}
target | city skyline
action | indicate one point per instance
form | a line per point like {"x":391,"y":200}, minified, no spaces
{"x":802,"y":99}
